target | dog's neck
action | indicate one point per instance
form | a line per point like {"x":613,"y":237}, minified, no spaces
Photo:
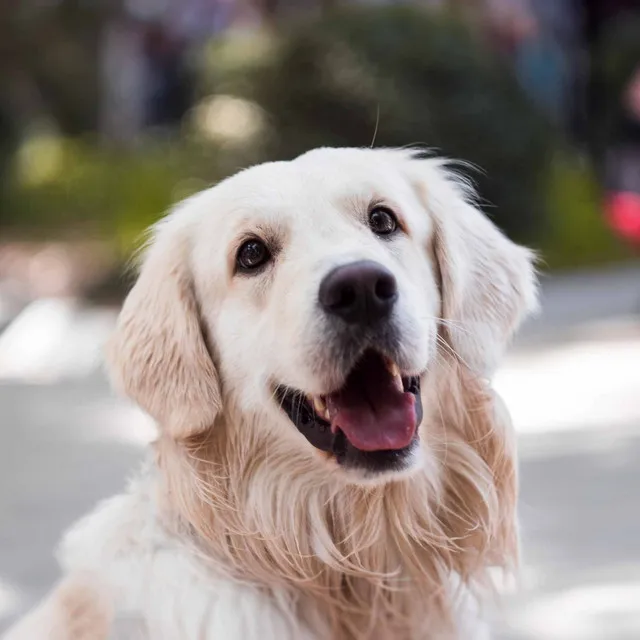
{"x":366,"y":561}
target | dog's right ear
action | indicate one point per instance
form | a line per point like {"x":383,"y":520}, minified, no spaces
{"x":488,"y":283}
{"x":158,"y":355}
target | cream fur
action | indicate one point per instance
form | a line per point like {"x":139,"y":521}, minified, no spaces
{"x":239,"y":529}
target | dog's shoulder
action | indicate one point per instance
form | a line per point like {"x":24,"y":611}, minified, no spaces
{"x":147,"y":571}
{"x":118,"y":539}
{"x":162,"y":582}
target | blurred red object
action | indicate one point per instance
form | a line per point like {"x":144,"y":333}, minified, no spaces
{"x":623,"y":214}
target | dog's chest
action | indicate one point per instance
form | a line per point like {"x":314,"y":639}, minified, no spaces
{"x":162,"y":590}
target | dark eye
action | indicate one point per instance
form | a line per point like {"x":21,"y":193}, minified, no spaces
{"x":252,"y":255}
{"x":382,"y":221}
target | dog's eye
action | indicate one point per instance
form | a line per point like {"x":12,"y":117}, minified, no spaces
{"x":252,"y":255}
{"x":382,"y":221}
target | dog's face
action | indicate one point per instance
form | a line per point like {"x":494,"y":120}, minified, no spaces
{"x":307,"y":298}
{"x":321,"y":299}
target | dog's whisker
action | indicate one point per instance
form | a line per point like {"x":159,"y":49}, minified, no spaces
{"x":444,"y":343}
{"x":457,"y":325}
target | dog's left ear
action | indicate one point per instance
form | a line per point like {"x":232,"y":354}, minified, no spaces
{"x":488,"y":283}
{"x":158,"y":355}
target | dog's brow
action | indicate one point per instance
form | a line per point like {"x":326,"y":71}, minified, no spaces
{"x":361,"y":203}
{"x":356,"y":203}
{"x":270,"y":231}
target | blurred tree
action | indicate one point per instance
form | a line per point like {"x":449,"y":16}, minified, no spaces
{"x":268,"y":9}
{"x":48,"y":61}
{"x":48,"y":69}
{"x":410,"y":75}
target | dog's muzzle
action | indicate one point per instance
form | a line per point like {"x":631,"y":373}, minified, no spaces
{"x":372,"y":420}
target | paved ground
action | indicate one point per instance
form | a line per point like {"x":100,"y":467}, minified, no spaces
{"x":573,"y":387}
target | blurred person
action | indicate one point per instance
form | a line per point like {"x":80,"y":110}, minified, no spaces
{"x":524,"y":32}
{"x":169,"y":89}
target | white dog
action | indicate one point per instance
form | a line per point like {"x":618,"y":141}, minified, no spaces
{"x":314,"y":339}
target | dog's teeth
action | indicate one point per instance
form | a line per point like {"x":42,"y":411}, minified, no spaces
{"x":331,"y":409}
{"x":319,"y":406}
{"x":394,"y":370}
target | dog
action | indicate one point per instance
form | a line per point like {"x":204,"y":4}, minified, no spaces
{"x":315,"y":340}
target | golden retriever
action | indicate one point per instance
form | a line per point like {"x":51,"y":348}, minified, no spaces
{"x":315,"y":340}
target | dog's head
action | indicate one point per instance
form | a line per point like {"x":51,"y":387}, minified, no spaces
{"x":311,"y":300}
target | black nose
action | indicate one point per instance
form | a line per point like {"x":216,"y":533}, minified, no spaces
{"x":359,"y":293}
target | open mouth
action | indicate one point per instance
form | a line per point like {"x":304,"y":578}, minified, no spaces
{"x":371,"y":421}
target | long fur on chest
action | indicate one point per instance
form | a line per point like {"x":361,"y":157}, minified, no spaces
{"x":354,"y":561}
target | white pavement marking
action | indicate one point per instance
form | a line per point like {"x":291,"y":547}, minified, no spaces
{"x":576,"y":386}
{"x":52,"y":339}
{"x":118,"y":422}
{"x":10,"y":599}
{"x":586,"y":612}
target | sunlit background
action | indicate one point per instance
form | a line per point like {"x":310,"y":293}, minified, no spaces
{"x":112,"y":111}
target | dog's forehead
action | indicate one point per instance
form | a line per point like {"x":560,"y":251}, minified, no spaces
{"x":317,"y":181}
{"x":347,"y":165}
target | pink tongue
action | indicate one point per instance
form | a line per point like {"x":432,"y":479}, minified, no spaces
{"x":371,"y":411}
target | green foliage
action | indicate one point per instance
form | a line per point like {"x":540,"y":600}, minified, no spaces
{"x":90,"y":190}
{"x":49,"y":60}
{"x":577,"y":233}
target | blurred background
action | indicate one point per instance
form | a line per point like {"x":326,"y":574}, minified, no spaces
{"x":110,"y":111}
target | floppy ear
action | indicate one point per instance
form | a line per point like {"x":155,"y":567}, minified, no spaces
{"x":158,"y":355}
{"x":488,"y":283}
